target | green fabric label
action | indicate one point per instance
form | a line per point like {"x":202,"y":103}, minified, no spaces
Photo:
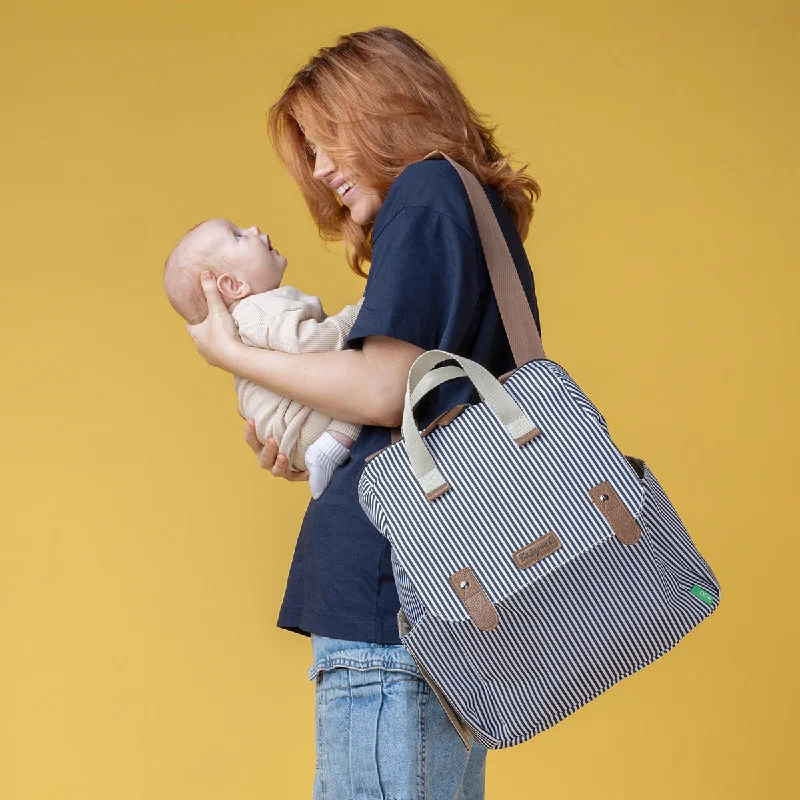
{"x":705,"y":596}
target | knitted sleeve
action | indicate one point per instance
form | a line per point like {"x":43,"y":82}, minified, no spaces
{"x":296,"y":330}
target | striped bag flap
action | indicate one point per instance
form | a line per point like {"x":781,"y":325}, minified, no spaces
{"x":513,"y":514}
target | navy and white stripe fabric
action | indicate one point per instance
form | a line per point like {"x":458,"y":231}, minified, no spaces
{"x":573,"y":623}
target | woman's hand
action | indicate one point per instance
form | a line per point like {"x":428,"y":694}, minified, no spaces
{"x":216,"y":336}
{"x":267,"y":455}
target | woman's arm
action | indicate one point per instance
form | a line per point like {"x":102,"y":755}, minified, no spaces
{"x":364,"y":386}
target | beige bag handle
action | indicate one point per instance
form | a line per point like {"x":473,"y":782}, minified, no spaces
{"x":519,"y":428}
{"x":515,"y":312}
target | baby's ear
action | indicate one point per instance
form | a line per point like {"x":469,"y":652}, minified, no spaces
{"x":231,"y":288}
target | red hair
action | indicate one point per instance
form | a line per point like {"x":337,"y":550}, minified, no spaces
{"x":376,"y":102}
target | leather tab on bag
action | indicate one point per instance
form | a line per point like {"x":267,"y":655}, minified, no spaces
{"x":396,"y":436}
{"x":506,"y":375}
{"x":475,"y":600}
{"x":616,"y":513}
{"x":439,"y":491}
{"x":444,"y":418}
{"x":536,"y":550}
{"x":376,"y":453}
{"x":526,"y":437}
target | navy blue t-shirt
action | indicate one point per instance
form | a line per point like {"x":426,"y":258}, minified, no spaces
{"x":428,"y":284}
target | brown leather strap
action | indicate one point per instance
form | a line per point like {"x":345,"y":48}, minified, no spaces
{"x":515,"y":311}
{"x":518,"y":320}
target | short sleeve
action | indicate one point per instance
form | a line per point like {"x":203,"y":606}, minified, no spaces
{"x":423,"y":284}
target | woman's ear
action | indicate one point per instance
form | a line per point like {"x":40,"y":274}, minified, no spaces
{"x":231,"y":288}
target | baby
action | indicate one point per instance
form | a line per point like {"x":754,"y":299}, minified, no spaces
{"x":249,"y":270}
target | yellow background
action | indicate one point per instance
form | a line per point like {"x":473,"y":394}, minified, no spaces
{"x":143,"y":554}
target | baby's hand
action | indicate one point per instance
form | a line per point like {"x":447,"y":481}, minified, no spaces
{"x":267,"y":455}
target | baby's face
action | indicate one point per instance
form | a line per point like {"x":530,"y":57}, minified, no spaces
{"x":244,"y":252}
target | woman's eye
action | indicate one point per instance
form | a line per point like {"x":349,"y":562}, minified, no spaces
{"x":238,"y":235}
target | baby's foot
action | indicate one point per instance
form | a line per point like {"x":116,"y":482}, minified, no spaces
{"x":322,"y":458}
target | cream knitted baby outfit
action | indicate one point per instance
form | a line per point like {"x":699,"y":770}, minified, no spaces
{"x":291,"y":321}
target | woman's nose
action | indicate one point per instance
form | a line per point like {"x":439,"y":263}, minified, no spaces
{"x":254,"y":230}
{"x":323,"y":166}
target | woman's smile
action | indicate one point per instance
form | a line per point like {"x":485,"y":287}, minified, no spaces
{"x":344,"y":189}
{"x":349,"y":195}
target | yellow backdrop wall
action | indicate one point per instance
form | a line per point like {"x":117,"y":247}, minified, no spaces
{"x":143,"y":555}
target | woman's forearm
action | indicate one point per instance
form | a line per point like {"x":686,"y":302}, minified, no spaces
{"x":335,"y":382}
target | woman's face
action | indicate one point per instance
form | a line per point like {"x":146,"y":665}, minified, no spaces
{"x":362,"y":201}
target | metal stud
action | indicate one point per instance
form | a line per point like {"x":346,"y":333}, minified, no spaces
{"x":604,"y":497}
{"x":464,"y":584}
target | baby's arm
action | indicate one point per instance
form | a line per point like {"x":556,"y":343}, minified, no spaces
{"x":298,"y":329}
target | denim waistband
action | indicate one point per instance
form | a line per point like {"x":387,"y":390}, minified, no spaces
{"x":330,"y":653}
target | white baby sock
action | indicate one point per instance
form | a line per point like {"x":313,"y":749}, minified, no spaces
{"x":322,"y":458}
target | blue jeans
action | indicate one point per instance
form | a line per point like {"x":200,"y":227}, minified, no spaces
{"x":381,"y":734}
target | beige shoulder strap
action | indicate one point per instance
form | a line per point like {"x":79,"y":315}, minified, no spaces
{"x":518,"y":321}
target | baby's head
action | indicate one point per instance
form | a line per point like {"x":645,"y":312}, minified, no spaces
{"x":242,"y":259}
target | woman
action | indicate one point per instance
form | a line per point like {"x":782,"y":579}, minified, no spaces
{"x":353,"y":127}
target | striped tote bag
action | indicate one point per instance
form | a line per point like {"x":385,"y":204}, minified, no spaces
{"x":536,"y":564}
